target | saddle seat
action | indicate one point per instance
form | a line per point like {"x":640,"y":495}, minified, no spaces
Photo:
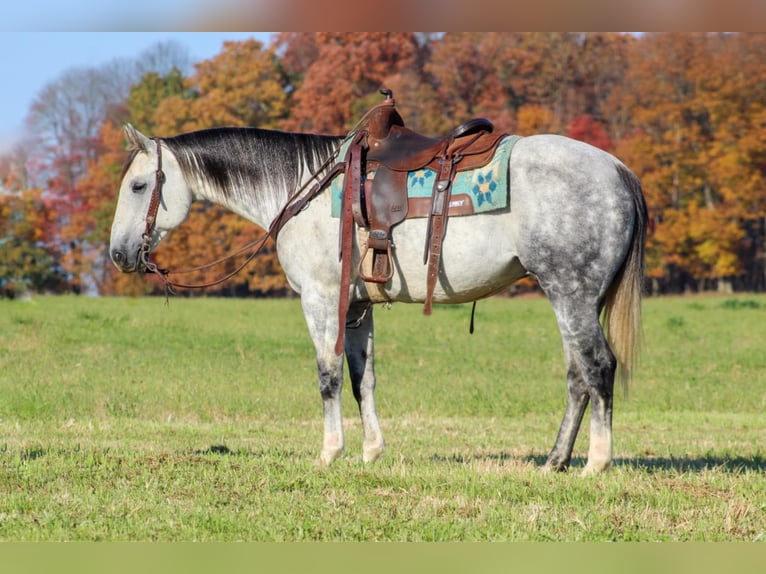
{"x":399,"y":148}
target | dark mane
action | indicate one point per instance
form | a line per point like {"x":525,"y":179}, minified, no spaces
{"x":232,"y":161}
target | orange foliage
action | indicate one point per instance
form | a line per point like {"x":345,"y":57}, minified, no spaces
{"x":344,"y":79}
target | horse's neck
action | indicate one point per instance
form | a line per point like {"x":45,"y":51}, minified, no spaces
{"x":243,"y":202}
{"x":260,"y":198}
{"x":256,"y":201}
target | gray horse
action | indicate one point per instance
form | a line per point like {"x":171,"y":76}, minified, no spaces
{"x":576,"y":221}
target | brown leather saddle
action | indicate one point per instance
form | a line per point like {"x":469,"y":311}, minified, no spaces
{"x":383,"y":146}
{"x":390,"y":150}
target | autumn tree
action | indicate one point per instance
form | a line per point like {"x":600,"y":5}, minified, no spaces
{"x":524,"y":82}
{"x":686,"y":141}
{"x":29,"y":253}
{"x":685,"y":111}
{"x":146,"y":95}
{"x":345,"y":78}
{"x":589,"y":130}
{"x":463,"y":70}
{"x":737,"y":156}
{"x":241,"y":86}
{"x":296,"y":52}
{"x":28,"y":256}
{"x":65,"y":118}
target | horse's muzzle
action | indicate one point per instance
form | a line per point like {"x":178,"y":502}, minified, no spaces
{"x":120,"y":260}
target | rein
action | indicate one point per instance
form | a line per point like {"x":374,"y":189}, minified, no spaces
{"x":294,"y":205}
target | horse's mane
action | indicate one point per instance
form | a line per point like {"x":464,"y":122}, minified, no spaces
{"x":233,"y":163}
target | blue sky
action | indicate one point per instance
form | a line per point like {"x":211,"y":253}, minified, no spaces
{"x":30,"y":60}
{"x":52,"y":15}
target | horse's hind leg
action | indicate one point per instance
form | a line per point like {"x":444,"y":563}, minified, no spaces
{"x":590,"y":378}
{"x":359,"y":354}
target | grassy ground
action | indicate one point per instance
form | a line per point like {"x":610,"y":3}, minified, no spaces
{"x":126,"y":419}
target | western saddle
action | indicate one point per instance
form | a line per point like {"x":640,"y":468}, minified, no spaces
{"x":382,"y":145}
{"x":377,"y":161}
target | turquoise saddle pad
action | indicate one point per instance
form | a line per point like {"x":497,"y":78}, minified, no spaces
{"x":487,"y":187}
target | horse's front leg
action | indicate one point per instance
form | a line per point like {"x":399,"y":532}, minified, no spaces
{"x":322,"y":320}
{"x":360,"y":356}
{"x":330,"y":383}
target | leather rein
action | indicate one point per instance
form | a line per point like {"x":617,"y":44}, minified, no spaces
{"x":294,"y":205}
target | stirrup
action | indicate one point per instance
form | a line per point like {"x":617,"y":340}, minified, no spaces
{"x":373,"y":278}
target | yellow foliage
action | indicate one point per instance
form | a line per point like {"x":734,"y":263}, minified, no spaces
{"x":535,"y":120}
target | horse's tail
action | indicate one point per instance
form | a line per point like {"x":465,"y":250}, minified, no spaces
{"x":622,"y":309}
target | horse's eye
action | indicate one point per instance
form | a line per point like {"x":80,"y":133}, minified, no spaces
{"x":138,"y":187}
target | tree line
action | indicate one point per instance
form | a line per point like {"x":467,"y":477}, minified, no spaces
{"x":685,"y":111}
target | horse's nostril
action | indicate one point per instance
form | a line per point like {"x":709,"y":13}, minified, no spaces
{"x":119,"y":257}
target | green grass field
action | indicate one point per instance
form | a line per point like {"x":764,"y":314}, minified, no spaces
{"x":129,"y":419}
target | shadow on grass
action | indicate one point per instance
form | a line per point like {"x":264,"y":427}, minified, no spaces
{"x":484,"y":457}
{"x":222,"y":450}
{"x":217,"y":449}
{"x":732,"y":464}
{"x":650,"y":464}
{"x":33,"y":453}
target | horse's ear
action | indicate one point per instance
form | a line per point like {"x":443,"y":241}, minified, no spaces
{"x":136,"y":140}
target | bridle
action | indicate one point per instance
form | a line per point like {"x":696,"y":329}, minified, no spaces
{"x":151,"y":214}
{"x":294,"y":205}
{"x":146,"y":240}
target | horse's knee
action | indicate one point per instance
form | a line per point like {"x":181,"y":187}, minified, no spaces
{"x":330,"y":382}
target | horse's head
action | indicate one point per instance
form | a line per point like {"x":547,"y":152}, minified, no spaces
{"x":154,"y":198}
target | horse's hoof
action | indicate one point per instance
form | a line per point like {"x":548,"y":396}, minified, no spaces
{"x":593,"y":469}
{"x":328,"y":457}
{"x":551,"y":467}
{"x":372,"y":453}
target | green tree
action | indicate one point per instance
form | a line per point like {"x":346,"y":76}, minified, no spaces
{"x":146,"y":96}
{"x":28,"y":258}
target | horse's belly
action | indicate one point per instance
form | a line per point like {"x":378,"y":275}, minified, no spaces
{"x":478,"y":259}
